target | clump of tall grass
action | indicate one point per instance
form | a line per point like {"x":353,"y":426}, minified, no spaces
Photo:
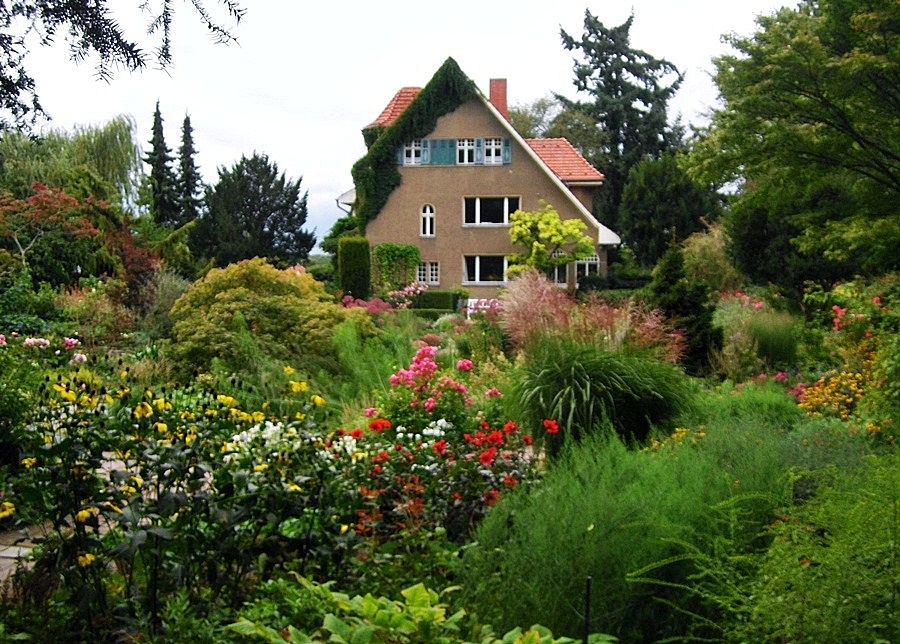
{"x":605,"y":511}
{"x":585,"y":389}
{"x":532,"y":308}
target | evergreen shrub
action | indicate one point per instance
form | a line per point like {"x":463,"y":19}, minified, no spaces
{"x":354,"y":267}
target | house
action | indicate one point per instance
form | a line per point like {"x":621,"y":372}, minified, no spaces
{"x":445,"y":169}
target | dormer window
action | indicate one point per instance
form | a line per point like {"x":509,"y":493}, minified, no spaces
{"x":412,"y":153}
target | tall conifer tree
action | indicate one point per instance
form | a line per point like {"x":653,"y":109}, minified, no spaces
{"x":164,"y":206}
{"x":629,"y":101}
{"x":190,"y":185}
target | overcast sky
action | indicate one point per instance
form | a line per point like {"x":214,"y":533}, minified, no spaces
{"x":305,"y":78}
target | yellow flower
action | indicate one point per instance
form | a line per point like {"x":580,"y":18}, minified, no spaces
{"x":190,"y":437}
{"x":228,"y":401}
{"x":317,"y":400}
{"x":162,"y":404}
{"x":86,"y":560}
{"x":299,"y":387}
{"x":257,"y":416}
{"x":6,"y":509}
{"x":143,"y":410}
{"x":28,"y":463}
{"x":344,"y":528}
{"x":299,"y":415}
{"x":293,"y":487}
{"x":262,"y":467}
{"x":288,"y":370}
{"x":85,"y":515}
{"x":161,"y":427}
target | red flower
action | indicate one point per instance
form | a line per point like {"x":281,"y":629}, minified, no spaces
{"x":380,"y":457}
{"x":551,"y":426}
{"x":377,"y":470}
{"x":510,"y":427}
{"x":487,"y":456}
{"x":356,"y":434}
{"x":495,"y":438}
{"x":527,"y":439}
{"x":510,"y":480}
{"x":491,"y":497}
{"x":440,"y":446}
{"x":379,"y":425}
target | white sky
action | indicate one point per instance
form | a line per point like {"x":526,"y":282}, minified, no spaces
{"x":306,"y":77}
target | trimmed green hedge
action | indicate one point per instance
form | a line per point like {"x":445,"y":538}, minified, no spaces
{"x":354,"y":268}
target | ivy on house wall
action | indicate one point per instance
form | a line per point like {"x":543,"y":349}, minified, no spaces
{"x":376,"y":174}
{"x":394,"y":266}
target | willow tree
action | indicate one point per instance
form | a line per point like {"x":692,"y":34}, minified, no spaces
{"x":102,"y":162}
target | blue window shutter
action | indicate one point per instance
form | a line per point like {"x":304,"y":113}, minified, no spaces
{"x":507,"y":151}
{"x":400,"y":155}
{"x":426,"y":157}
{"x":443,"y":152}
{"x":479,"y":150}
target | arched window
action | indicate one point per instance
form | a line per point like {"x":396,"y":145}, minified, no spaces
{"x":426,"y":228}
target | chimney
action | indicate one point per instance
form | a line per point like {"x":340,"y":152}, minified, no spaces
{"x":498,"y":96}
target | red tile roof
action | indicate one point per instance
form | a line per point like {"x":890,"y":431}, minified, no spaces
{"x":564,"y":160}
{"x":395,"y":108}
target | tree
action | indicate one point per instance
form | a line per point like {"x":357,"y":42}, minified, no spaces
{"x":102,"y":162}
{"x":163,"y":184}
{"x":809,"y":131}
{"x":253,"y":211}
{"x":548,"y":240}
{"x":90,"y":30}
{"x":189,"y":184}
{"x":55,"y":226}
{"x":662,"y":205}
{"x":532,"y":121}
{"x":630,"y":102}
{"x":688,"y":307}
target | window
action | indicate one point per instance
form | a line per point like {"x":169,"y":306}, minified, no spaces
{"x":485,"y":268}
{"x":587,"y":266}
{"x":558,"y":274}
{"x":426,"y":228}
{"x":493,"y":151}
{"x":465,"y":151}
{"x":412,"y":153}
{"x":489,"y":210}
{"x":429,"y":273}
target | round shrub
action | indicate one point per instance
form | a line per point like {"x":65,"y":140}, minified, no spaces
{"x":252,"y":308}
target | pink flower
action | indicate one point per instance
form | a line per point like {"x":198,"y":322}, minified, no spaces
{"x":758,"y":305}
{"x":464,"y":365}
{"x":70,"y":343}
{"x":2,"y":340}
{"x":76,"y":358}
{"x":429,"y":405}
{"x":493,"y":392}
{"x":370,"y":412}
{"x":876,"y":300}
{"x":781,"y":376}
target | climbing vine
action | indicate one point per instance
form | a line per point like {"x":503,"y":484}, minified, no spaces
{"x":376,"y":174}
{"x":394,"y":266}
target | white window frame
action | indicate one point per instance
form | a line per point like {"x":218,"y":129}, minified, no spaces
{"x":465,"y":152}
{"x":477,"y":270}
{"x":559,"y":275}
{"x":412,"y":153}
{"x":587,"y":266}
{"x":429,"y":273}
{"x":507,"y":211}
{"x":427,"y":221}
{"x":493,"y":151}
